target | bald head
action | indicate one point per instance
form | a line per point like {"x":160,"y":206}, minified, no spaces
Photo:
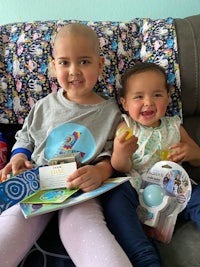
{"x":74,"y":29}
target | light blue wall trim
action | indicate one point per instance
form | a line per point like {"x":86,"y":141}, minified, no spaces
{"x":116,"y":10}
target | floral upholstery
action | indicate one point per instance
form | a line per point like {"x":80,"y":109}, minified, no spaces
{"x":26,"y":54}
{"x":159,"y":44}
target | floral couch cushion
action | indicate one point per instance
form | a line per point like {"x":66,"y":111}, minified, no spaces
{"x":159,"y":44}
{"x":26,"y":54}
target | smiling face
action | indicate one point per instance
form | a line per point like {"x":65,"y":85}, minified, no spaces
{"x":146,"y":98}
{"x":77,"y":63}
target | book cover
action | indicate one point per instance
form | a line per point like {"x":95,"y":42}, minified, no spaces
{"x":31,"y":210}
{"x":18,"y":187}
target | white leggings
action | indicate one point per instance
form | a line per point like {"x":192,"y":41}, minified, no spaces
{"x":83,"y":232}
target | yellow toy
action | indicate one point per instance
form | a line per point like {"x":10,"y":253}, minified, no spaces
{"x":123,"y":129}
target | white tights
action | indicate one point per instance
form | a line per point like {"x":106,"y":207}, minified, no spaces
{"x":83,"y":232}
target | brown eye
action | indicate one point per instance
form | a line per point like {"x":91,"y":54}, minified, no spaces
{"x":138,"y":97}
{"x":64,"y":62}
{"x":84,"y":62}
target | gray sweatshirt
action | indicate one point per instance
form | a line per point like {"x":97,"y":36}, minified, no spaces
{"x":56,"y":125}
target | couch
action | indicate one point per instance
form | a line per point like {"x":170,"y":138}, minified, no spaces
{"x":25,"y":77}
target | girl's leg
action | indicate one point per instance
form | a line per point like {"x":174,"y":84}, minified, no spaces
{"x":17,"y":235}
{"x":192,"y":210}
{"x":120,"y":206}
{"x":87,"y":239}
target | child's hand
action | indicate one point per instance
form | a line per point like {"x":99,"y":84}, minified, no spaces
{"x":124,"y":146}
{"x":17,"y":164}
{"x":86,"y":178}
{"x":123,"y":150}
{"x":183,"y":151}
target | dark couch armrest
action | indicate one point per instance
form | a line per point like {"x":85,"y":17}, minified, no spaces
{"x":188,"y":38}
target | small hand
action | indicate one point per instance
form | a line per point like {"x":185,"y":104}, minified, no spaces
{"x":86,"y":178}
{"x":182,"y":151}
{"x":124,"y":146}
{"x":18,"y":163}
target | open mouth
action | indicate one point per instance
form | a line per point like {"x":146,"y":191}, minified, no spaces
{"x":147,"y":113}
{"x":75,"y":82}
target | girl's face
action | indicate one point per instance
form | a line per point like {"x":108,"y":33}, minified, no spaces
{"x":77,"y":66}
{"x":146,"y":98}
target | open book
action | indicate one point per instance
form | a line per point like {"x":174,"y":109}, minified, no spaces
{"x":31,"y":209}
{"x":43,"y":189}
{"x":18,"y":187}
